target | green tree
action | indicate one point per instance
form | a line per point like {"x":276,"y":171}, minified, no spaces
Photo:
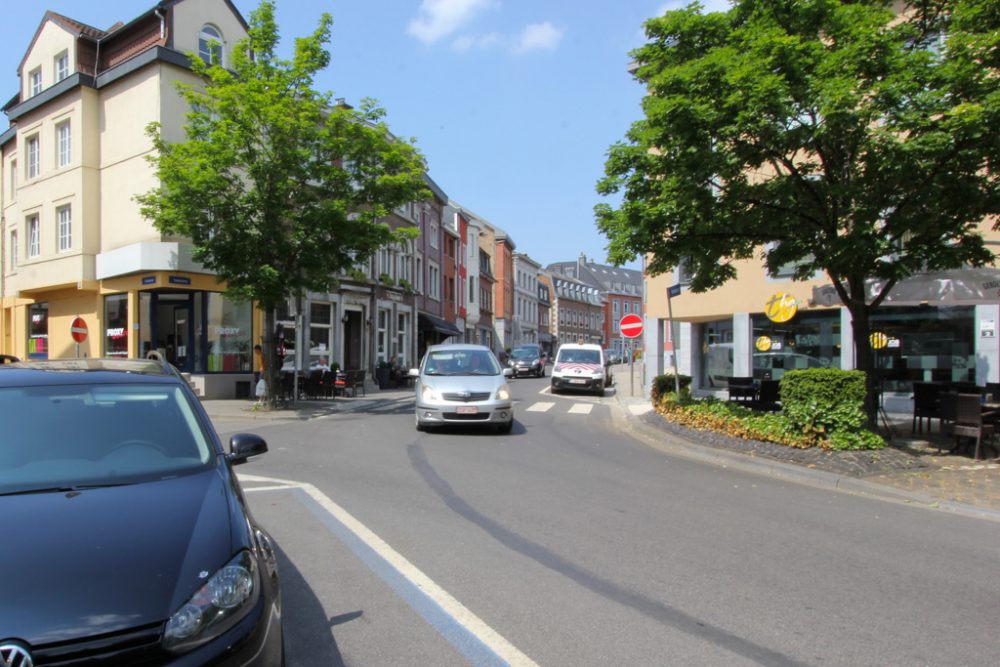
{"x":824,"y":134}
{"x":278,"y":188}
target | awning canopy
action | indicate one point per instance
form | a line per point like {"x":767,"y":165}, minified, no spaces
{"x":433,"y":323}
{"x":957,"y":287}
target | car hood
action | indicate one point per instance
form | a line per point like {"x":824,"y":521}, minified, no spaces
{"x":459,"y":383}
{"x":102,"y":560}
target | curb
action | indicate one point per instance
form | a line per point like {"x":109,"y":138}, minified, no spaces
{"x":670,"y":443}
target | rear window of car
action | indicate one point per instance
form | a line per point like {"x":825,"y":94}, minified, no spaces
{"x":70,"y":435}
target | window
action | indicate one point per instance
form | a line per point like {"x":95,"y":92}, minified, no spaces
{"x":433,"y":280}
{"x":320,"y":331}
{"x":420,"y":275}
{"x":64,"y":138}
{"x":34,"y":240}
{"x":64,"y":232}
{"x":434,"y":232}
{"x":62,"y":66}
{"x":210,"y":45}
{"x":116,"y":325}
{"x":35,"y":81}
{"x":13,"y":250}
{"x":13,"y":179}
{"x":34,"y":166}
{"x":229,"y":334}
{"x":402,"y":338}
{"x":38,"y":331}
{"x":382,"y":335}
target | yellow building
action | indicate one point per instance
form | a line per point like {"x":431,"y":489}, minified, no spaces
{"x":73,"y":158}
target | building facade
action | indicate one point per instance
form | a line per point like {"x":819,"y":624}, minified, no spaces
{"x":525,"y":299}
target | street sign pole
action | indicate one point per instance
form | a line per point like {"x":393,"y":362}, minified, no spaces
{"x":673,"y":291}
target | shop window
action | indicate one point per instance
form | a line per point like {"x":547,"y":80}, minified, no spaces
{"x":402,"y":338}
{"x":229,"y":335}
{"x":38,"y":331}
{"x":320,"y":331}
{"x":382,"y":335}
{"x":116,"y":325}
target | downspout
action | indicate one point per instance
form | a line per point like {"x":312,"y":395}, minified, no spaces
{"x":163,"y":22}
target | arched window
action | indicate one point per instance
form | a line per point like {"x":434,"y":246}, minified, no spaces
{"x":210,"y":45}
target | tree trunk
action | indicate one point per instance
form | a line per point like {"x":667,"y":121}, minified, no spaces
{"x":864,"y":360}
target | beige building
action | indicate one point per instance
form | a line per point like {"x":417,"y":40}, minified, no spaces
{"x":73,"y":242}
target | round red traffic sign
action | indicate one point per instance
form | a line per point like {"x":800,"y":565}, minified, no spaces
{"x":78,"y":330}
{"x":631,"y":326}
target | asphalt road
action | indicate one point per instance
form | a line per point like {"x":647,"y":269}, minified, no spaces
{"x":568,"y":542}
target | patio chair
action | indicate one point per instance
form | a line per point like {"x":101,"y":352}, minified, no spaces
{"x":969,"y":422}
{"x":949,"y":413}
{"x":926,"y":405}
{"x":767,"y":396}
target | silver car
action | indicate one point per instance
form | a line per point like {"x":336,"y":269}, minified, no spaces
{"x":462,"y":384}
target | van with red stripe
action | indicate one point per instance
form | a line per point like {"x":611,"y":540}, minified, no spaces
{"x":581,"y":367}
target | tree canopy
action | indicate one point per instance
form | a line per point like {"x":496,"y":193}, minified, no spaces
{"x":824,"y":134}
{"x":278,"y":187}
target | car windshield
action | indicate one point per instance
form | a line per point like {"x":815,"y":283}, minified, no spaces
{"x":580,"y":357}
{"x":524,"y":353}
{"x":460,"y":362}
{"x":67,"y":437}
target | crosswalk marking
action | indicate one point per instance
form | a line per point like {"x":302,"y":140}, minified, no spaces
{"x":540,"y":407}
{"x":581,"y":408}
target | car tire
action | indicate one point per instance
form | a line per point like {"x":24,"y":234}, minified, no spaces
{"x":505,"y":428}
{"x":418,"y":424}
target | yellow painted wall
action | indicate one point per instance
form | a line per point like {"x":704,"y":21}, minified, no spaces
{"x":51,"y":41}
{"x":189,"y":17}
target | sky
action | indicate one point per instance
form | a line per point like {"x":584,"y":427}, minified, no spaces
{"x":513,"y":103}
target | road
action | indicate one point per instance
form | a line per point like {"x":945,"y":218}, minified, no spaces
{"x":568,"y":542}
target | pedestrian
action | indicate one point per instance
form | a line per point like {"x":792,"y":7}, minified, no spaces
{"x":259,"y":383}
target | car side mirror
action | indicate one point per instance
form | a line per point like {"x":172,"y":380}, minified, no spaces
{"x":244,"y":445}
{"x":414,"y":372}
{"x":508,"y":372}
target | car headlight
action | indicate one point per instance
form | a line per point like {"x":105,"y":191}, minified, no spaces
{"x":428,"y":393}
{"x":218,"y":605}
{"x":503,"y":393}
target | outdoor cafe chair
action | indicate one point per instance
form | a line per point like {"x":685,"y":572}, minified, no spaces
{"x":969,"y":422}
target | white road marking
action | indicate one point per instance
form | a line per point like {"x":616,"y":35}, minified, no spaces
{"x":463,"y":616}
{"x":640,"y":409}
{"x":541,"y":406}
{"x":581,"y":408}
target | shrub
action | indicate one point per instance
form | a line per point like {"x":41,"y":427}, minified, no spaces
{"x":822,"y":401}
{"x":664,"y":384}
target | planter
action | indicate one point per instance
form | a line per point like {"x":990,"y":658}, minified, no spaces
{"x":382,"y":377}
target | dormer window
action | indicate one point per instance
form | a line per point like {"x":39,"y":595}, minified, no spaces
{"x":35,"y":81}
{"x":210,"y":45}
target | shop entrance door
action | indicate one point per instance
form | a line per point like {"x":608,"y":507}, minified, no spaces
{"x":173,"y":325}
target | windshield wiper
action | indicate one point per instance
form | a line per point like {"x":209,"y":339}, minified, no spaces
{"x":61,"y":489}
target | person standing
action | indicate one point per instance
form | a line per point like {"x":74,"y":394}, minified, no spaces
{"x":258,"y":373}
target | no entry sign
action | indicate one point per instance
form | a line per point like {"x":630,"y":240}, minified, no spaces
{"x":78,"y":329}
{"x":631,"y":326}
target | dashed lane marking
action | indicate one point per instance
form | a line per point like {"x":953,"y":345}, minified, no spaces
{"x":581,"y":408}
{"x":541,"y":406}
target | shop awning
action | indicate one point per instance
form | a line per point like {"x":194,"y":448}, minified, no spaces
{"x":958,"y":287}
{"x":432,"y":323}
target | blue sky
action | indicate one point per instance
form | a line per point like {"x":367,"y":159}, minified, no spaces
{"x":514,"y":103}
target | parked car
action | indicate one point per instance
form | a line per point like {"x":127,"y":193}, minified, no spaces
{"x":527,"y":360}
{"x":580,"y":367}
{"x":134,"y":544}
{"x":462,"y":384}
{"x":611,"y":356}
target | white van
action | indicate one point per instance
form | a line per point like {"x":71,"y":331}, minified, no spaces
{"x":581,"y":367}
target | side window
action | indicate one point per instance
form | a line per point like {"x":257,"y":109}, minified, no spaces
{"x":210,"y":45}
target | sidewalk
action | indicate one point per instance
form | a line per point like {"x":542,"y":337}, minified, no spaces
{"x":910,"y":470}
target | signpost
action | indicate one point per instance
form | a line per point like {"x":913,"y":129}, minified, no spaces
{"x":630,"y":326}
{"x":78,"y":330}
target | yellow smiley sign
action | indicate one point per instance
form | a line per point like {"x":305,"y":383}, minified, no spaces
{"x":781,"y":307}
{"x":878,"y":340}
{"x":763,"y":343}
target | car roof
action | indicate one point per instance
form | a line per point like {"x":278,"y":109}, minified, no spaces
{"x":580,"y":346}
{"x":88,"y":371}
{"x":457,"y":346}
